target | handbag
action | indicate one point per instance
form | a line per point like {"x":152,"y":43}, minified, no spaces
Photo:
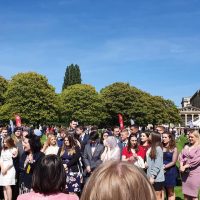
{"x":139,"y":162}
{"x":187,"y":170}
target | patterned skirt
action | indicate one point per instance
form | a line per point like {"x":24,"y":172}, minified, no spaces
{"x":73,"y":180}
{"x":23,"y":189}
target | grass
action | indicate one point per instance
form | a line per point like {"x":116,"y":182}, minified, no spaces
{"x":178,"y":189}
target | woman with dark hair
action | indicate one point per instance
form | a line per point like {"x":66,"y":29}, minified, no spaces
{"x":155,"y":171}
{"x":70,"y":154}
{"x":7,"y":175}
{"x":48,"y":181}
{"x":133,"y":152}
{"x":28,"y":161}
{"x":170,"y":156}
{"x":144,"y":142}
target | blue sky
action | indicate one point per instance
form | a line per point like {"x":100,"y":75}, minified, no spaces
{"x":152,"y":44}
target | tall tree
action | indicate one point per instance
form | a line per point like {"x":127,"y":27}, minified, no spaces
{"x":3,"y":88}
{"x":83,"y":103}
{"x":119,"y":98}
{"x":32,"y":97}
{"x":72,"y":76}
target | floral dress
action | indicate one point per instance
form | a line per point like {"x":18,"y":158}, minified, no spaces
{"x":73,"y":178}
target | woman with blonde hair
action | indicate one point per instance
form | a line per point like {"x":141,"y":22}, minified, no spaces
{"x":112,"y":150}
{"x":190,"y":167}
{"x":115,"y":180}
{"x":50,"y":146}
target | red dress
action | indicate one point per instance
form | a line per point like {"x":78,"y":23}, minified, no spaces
{"x":140,"y":152}
{"x":145,"y":148}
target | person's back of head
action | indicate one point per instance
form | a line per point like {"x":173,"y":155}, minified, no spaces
{"x":116,"y":180}
{"x":49,"y":176}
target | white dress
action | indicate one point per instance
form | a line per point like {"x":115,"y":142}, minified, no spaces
{"x":51,"y":150}
{"x":6,"y":160}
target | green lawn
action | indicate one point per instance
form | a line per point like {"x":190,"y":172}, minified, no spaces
{"x":178,"y":190}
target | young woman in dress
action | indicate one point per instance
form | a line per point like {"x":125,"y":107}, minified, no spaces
{"x":190,"y":167}
{"x":154,"y":159}
{"x":50,"y":146}
{"x":133,"y":153}
{"x":70,"y":154}
{"x":32,"y":153}
{"x":144,"y":142}
{"x":7,"y":176}
{"x":170,"y":156}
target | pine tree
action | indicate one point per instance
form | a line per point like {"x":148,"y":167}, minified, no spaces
{"x":72,"y":76}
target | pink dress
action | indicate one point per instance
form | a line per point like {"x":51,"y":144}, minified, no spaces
{"x":38,"y":196}
{"x":191,"y":180}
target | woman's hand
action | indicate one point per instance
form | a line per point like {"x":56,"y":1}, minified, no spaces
{"x":152,"y":180}
{"x":65,"y":167}
{"x":30,"y":158}
{"x":131,"y":158}
{"x":3,"y":171}
{"x":182,"y":168}
{"x":88,"y":168}
{"x":146,"y":165}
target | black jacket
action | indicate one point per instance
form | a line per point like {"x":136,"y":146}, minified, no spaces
{"x":27,"y":171}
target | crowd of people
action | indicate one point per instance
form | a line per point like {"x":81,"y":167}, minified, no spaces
{"x":78,"y":163}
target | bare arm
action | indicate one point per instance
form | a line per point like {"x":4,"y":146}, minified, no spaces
{"x":174,"y":159}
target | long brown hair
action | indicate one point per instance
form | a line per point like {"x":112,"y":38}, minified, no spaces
{"x":115,"y":180}
{"x":130,"y":146}
{"x":172,"y":143}
{"x":9,"y":141}
{"x":72,"y":144}
{"x":155,"y":142}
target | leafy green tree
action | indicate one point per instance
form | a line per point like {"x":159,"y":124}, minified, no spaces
{"x":162,"y":111}
{"x":30,"y":96}
{"x":83,"y":103}
{"x":3,"y":88}
{"x":172,"y":112}
{"x":72,"y":76}
{"x":136,"y":104}
{"x":120,"y":98}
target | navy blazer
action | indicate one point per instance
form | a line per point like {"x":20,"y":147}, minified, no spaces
{"x":26,"y":175}
{"x":83,"y":142}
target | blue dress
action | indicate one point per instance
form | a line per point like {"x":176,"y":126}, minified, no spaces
{"x":171,"y":173}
